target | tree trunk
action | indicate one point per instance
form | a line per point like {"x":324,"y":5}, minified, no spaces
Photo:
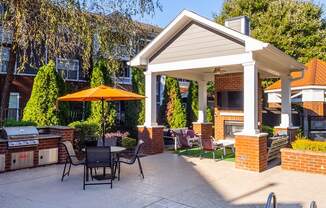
{"x":7,"y":84}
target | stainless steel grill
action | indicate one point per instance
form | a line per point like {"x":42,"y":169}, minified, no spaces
{"x":19,"y":137}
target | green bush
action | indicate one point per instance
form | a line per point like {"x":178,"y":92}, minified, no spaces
{"x":306,"y":144}
{"x":268,"y":129}
{"x":128,"y":142}
{"x":86,"y":130}
{"x":42,"y":107}
{"x":209,"y":115}
{"x":10,"y":123}
{"x":300,"y":135}
{"x":135,"y":110}
{"x":192,"y":103}
{"x":172,"y":112}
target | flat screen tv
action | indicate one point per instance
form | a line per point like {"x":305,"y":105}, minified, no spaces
{"x":230,"y":100}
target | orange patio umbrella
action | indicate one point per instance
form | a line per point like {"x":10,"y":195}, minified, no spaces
{"x":101,"y":93}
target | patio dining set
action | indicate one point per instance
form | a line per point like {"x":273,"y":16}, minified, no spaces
{"x":102,"y":163}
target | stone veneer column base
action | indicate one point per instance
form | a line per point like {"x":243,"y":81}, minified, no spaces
{"x":153,"y":138}
{"x":251,"y":152}
{"x":291,"y":131}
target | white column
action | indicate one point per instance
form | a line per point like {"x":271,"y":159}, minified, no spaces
{"x":250,"y":98}
{"x":286,"y":117}
{"x":150,"y":100}
{"x":202,"y":101}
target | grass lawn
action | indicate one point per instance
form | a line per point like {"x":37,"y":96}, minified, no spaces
{"x":196,"y":151}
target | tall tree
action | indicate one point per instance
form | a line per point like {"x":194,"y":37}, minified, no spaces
{"x":47,"y":87}
{"x":135,"y":110}
{"x":172,"y":110}
{"x":294,"y":26}
{"x":192,"y":103}
{"x":100,"y":76}
{"x":66,"y":27}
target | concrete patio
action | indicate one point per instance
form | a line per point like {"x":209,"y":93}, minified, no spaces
{"x":170,"y":181}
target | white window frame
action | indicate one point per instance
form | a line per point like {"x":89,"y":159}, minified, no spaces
{"x":123,"y":79}
{"x":18,"y":103}
{"x":4,"y":61}
{"x":78,"y":69}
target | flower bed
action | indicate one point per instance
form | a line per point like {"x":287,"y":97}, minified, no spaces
{"x":303,"y":160}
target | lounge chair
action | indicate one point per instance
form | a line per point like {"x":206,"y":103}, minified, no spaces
{"x":209,"y":145}
{"x":274,"y":146}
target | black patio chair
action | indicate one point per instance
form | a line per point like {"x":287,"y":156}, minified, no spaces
{"x":131,"y":159}
{"x":98,"y":157}
{"x":71,"y":158}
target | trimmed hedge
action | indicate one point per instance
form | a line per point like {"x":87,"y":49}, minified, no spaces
{"x":306,"y":144}
{"x":87,"y":130}
{"x":128,"y":142}
{"x":11,"y":123}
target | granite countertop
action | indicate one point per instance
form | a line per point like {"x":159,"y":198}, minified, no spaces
{"x":41,"y":136}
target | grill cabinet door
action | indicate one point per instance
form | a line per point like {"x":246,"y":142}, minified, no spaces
{"x":2,"y":162}
{"x":48,"y":156}
{"x":22,"y":160}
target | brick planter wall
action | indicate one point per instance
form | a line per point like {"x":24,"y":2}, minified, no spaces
{"x":153,"y":138}
{"x":251,"y":152}
{"x":305,"y":161}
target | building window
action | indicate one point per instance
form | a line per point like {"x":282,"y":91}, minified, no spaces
{"x":5,"y":52}
{"x":6,"y":35}
{"x":68,"y":69}
{"x":124,"y":76}
{"x":13,"y":109}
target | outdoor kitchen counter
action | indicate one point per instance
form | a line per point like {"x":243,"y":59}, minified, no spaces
{"x":39,"y":137}
{"x":48,"y":136}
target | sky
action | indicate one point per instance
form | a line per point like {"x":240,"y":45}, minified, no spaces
{"x":171,"y":9}
{"x":206,"y":8}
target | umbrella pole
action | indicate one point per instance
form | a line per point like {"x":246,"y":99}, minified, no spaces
{"x":103,"y":123}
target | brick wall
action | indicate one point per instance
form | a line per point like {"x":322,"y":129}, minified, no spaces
{"x":251,"y":152}
{"x":305,"y":161}
{"x":314,"y":108}
{"x":231,"y":82}
{"x":153,"y":138}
